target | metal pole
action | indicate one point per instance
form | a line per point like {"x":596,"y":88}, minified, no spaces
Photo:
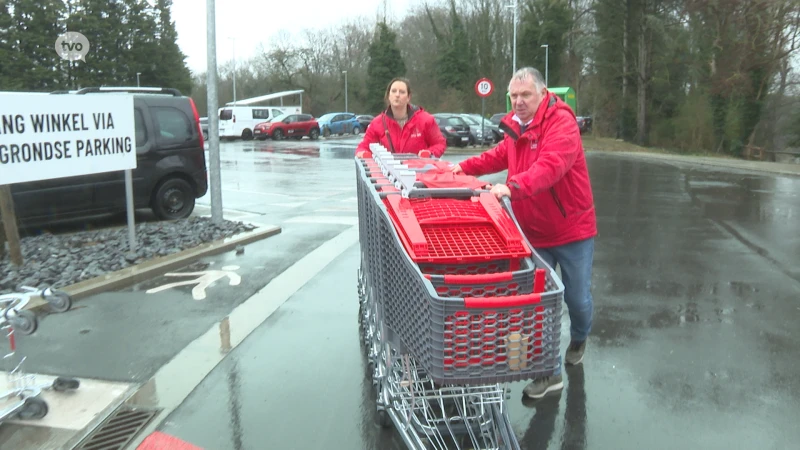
{"x":215,"y":179}
{"x":546,"y":65}
{"x":483,"y":114}
{"x":345,"y":91}
{"x":515,"y":36}
{"x":137,"y":79}
{"x":130,"y":206}
{"x":234,"y":68}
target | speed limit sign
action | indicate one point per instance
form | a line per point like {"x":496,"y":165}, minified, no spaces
{"x":484,"y":87}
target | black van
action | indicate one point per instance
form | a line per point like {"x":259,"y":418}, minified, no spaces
{"x":170,"y":173}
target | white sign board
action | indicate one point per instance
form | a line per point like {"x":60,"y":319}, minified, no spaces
{"x":53,"y":136}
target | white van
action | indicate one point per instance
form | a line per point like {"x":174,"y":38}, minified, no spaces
{"x":239,"y":121}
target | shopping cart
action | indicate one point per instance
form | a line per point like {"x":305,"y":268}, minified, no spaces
{"x":23,"y":389}
{"x":454,"y":302}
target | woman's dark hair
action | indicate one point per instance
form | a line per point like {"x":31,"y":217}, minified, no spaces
{"x":389,"y":88}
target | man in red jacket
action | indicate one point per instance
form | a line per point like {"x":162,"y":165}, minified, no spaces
{"x":548,"y":184}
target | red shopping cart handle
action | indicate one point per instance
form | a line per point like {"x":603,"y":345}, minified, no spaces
{"x":480,"y":278}
{"x":501,"y":302}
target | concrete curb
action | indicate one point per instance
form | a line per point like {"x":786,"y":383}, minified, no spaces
{"x":156,"y":266}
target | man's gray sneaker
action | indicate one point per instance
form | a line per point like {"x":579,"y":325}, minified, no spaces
{"x":539,"y":387}
{"x":575,"y":353}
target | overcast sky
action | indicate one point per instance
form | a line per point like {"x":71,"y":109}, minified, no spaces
{"x":252,"y":22}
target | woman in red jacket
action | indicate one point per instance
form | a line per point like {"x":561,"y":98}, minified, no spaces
{"x":403,"y":127}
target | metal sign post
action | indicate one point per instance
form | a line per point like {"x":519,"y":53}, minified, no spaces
{"x":483,"y":88}
{"x":130,"y":206}
{"x":215,"y":177}
{"x":483,"y":114}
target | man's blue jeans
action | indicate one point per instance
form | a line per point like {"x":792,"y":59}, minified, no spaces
{"x":575,"y":260}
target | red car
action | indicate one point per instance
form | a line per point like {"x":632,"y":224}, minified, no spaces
{"x":288,"y":125}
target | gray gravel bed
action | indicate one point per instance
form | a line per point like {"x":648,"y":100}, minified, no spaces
{"x":62,"y":260}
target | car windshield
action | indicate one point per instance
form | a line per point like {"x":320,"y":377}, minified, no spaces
{"x":327,"y":117}
{"x":478,"y":120}
{"x":279,"y":118}
{"x":470,"y":120}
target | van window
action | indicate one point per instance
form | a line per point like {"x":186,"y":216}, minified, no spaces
{"x":141,"y":129}
{"x":226,"y":114}
{"x":172,"y":126}
{"x":261,"y":114}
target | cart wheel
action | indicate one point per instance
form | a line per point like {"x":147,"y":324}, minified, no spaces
{"x":59,"y":301}
{"x":34,"y":409}
{"x":382,"y":418}
{"x":62,"y":384}
{"x":24,"y":322}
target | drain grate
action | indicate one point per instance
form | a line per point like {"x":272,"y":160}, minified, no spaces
{"x":119,"y":429}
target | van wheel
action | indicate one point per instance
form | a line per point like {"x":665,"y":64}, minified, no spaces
{"x":247,"y":134}
{"x":313,"y":134}
{"x":173,"y":199}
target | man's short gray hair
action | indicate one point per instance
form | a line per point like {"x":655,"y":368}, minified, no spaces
{"x":527,"y":73}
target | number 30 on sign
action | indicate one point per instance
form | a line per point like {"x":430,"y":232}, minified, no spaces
{"x":484,"y":87}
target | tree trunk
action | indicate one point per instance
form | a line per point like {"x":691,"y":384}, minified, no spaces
{"x":780,"y":102}
{"x":622,"y":116}
{"x":641,"y":113}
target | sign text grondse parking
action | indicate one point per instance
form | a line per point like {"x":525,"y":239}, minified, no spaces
{"x":53,"y":136}
{"x":48,"y":150}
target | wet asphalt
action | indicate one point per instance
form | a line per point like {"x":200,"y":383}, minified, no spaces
{"x":694,"y":344}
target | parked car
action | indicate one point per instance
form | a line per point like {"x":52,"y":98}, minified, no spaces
{"x":495,"y":119}
{"x":170,"y":173}
{"x":364,"y":120}
{"x":288,"y":125}
{"x":339,"y":123}
{"x":487,"y":135}
{"x":454,"y":129}
{"x":585,"y":124}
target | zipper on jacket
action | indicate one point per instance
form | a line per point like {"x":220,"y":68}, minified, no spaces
{"x":558,"y":202}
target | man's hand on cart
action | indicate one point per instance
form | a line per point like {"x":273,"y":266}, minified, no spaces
{"x":457,"y":169}
{"x":500,"y":191}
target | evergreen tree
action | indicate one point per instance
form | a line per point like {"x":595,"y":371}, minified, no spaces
{"x":385,"y":63}
{"x":544,"y":22}
{"x":8,"y":82}
{"x":171,"y":62}
{"x":34,"y":64}
{"x":455,"y":68}
{"x":102,"y":22}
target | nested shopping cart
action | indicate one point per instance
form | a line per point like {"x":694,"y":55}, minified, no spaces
{"x":454,"y":303}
